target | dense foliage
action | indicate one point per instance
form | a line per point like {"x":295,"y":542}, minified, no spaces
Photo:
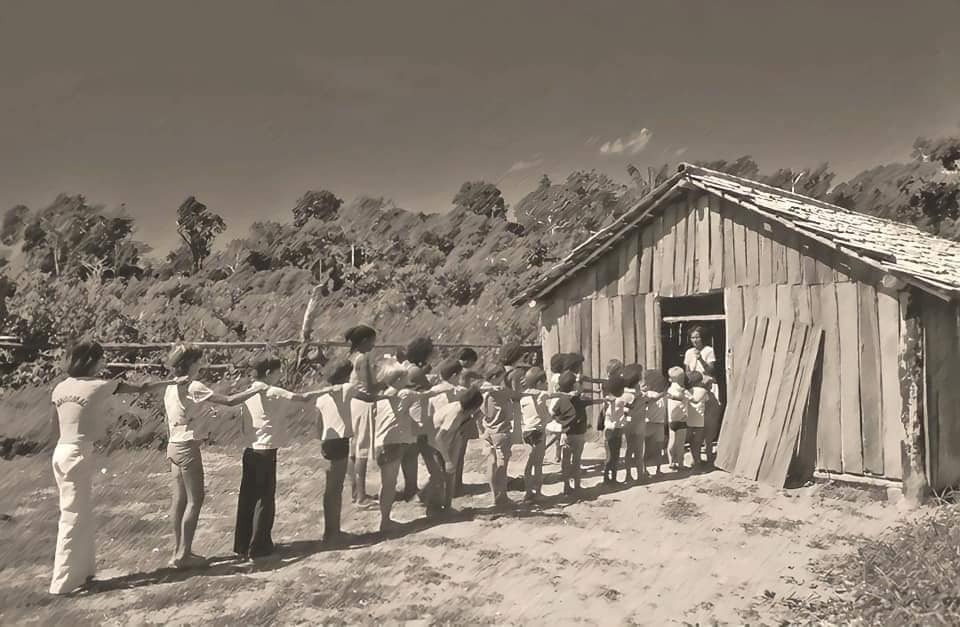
{"x":74,"y":268}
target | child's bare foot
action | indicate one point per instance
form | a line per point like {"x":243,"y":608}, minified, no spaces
{"x":190,"y":561}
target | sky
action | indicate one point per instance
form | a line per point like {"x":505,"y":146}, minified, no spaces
{"x":246,"y":105}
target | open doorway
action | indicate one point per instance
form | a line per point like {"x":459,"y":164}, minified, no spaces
{"x":679,"y":316}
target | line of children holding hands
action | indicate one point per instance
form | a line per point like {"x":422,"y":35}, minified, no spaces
{"x":398,"y":412}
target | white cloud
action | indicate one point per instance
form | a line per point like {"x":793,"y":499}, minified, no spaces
{"x":633,"y":144}
{"x":525,"y":165}
{"x":681,"y":151}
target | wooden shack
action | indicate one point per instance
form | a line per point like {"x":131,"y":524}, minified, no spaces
{"x":876,"y":302}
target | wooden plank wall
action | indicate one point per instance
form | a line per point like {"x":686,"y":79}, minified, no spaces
{"x":942,"y":363}
{"x":702,"y":244}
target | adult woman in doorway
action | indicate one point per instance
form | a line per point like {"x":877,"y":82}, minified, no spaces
{"x":701,"y":358}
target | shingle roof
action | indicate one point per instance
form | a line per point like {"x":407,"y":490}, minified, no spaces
{"x":927,"y":261}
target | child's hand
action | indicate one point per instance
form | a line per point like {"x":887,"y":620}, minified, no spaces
{"x":181,"y":380}
{"x":259,"y":386}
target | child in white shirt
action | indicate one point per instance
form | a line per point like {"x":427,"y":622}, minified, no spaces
{"x":697,"y":396}
{"x":335,"y":427}
{"x":677,"y":415}
{"x":614,"y":420}
{"x":264,"y":432}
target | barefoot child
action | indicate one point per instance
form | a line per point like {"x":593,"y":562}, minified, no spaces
{"x":182,"y":404}
{"x":535,"y":416}
{"x":497,"y":430}
{"x":677,"y":414}
{"x":571,"y":413}
{"x":335,"y":425}
{"x":450,"y":420}
{"x":613,"y":425}
{"x":635,"y":428}
{"x":697,"y":394}
{"x":363,"y":408}
{"x":655,"y":416}
{"x":80,"y":405}
{"x":471,"y":431}
{"x":265,"y":430}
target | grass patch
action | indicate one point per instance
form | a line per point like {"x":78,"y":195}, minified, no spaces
{"x":850,"y":492}
{"x":765,"y":526}
{"x":679,"y":508}
{"x":907,"y":577}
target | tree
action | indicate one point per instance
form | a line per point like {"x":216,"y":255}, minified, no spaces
{"x":482,"y":198}
{"x":544,"y":182}
{"x":14,"y":222}
{"x":945,"y":150}
{"x":197,"y":226}
{"x":322,"y":205}
{"x":745,"y":166}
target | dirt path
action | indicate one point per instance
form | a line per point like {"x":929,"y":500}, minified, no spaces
{"x":683,"y":549}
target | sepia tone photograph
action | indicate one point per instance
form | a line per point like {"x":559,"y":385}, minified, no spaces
{"x":488,"y":313}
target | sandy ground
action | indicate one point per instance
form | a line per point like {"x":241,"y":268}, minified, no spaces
{"x":683,"y":549}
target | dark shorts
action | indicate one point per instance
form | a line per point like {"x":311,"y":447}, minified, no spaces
{"x":335,"y":450}
{"x":533,"y":438}
{"x":677,"y":425}
{"x":390,"y":453}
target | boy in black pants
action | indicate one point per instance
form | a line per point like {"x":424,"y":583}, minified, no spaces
{"x":265,"y":430}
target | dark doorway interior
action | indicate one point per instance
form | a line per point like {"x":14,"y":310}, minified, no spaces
{"x":679,"y":316}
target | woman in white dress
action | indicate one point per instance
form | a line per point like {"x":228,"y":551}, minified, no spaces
{"x":701,"y":358}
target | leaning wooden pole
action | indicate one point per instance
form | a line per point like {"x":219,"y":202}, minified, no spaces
{"x":916,"y":485}
{"x":306,"y":328}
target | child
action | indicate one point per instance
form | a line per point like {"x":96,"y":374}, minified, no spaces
{"x":363,"y":408}
{"x":335,"y":425}
{"x":535,"y":416}
{"x":655,"y":416}
{"x":419,"y":408}
{"x":449,"y":388}
{"x":497,"y":430}
{"x":264,"y":433}
{"x":617,"y":405}
{"x":677,"y":414}
{"x":450,"y":421}
{"x":557,"y":364}
{"x":614,"y":366}
{"x":712,"y":417}
{"x":471,"y":431}
{"x":182,"y":404}
{"x":634,"y":430}
{"x":80,"y":405}
{"x":697,"y":394}
{"x":571,"y":413}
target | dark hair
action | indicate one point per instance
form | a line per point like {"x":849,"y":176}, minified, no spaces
{"x":340,"y":372}
{"x":266,"y":364}
{"x":567,"y":382}
{"x":358,"y":335}
{"x":510,"y":353}
{"x":534,"y":376}
{"x":556,"y":362}
{"x":82,"y":357}
{"x":495,"y":371}
{"x":419,"y":350}
{"x":572,"y":361}
{"x":470,"y":399}
{"x":182,"y":357}
{"x":697,"y":329}
{"x":468,"y":354}
{"x":614,"y":385}
{"x":694,"y":378}
{"x":632,"y":375}
{"x":450,"y":369}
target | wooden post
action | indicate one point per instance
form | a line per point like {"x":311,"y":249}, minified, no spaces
{"x":306,"y":329}
{"x":912,"y":385}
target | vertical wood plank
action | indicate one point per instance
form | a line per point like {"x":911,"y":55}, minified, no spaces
{"x":794,"y":262}
{"x":848,"y":313}
{"x":667,"y":246}
{"x":645,"y":278}
{"x":802,"y":307}
{"x":888,"y":315}
{"x":628,"y":325}
{"x":599,"y":316}
{"x":785,"y":305}
{"x":740,"y":250}
{"x":651,"y":316}
{"x":729,"y":256}
{"x":828,"y":414}
{"x":779,"y":262}
{"x":680,"y":268}
{"x":766,"y":259}
{"x":630,"y":260}
{"x":615,"y":320}
{"x":692,"y":240}
{"x":747,"y":351}
{"x":871,"y":409}
{"x":766,"y":300}
{"x":716,"y":260}
{"x":753,"y":253}
{"x":640,"y":328}
{"x":809,"y":263}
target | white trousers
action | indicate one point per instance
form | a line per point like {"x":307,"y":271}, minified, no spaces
{"x":74,"y":561}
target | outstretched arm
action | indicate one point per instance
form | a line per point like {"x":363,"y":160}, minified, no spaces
{"x":231,"y":400}
{"x":147,"y":387}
